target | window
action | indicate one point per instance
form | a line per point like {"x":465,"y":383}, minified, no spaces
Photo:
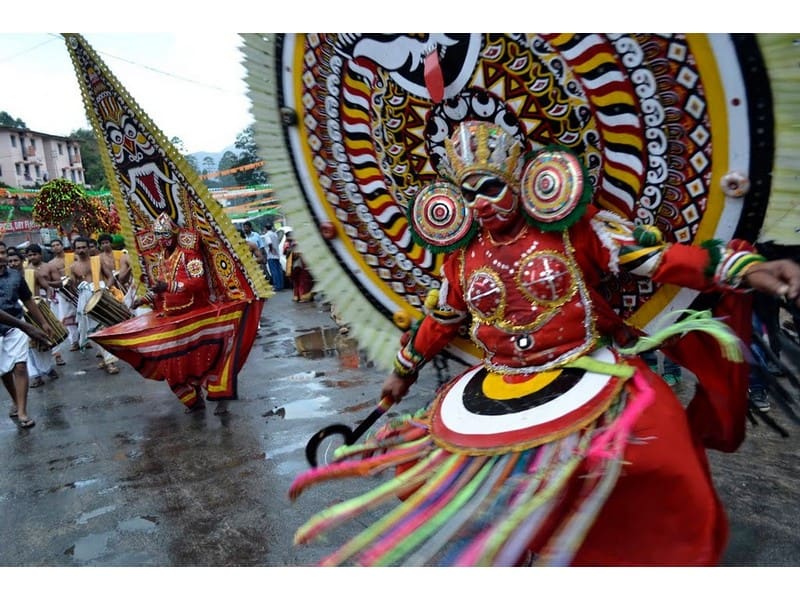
{"x":19,"y":169}
{"x":38,"y":172}
{"x":60,"y":149}
{"x":13,"y":141}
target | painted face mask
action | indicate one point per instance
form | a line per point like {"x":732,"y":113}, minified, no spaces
{"x":491,"y":199}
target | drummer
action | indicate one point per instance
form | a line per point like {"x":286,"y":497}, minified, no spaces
{"x":115,"y":267}
{"x":65,"y":310}
{"x":13,"y":342}
{"x":47,"y":280}
{"x":41,"y":363}
{"x":87,"y":282}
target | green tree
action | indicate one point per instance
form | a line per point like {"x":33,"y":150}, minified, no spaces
{"x":94,"y":173}
{"x":181,"y":147}
{"x":245,"y":143}
{"x":6,"y":120}
{"x":229,"y":160}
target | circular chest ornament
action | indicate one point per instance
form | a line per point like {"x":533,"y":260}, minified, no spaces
{"x":486,"y":294}
{"x":439,"y":218}
{"x":546,"y":278}
{"x":553,"y":187}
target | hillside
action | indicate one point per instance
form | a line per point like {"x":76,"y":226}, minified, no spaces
{"x":215,"y":156}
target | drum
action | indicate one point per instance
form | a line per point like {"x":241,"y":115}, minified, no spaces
{"x":104,"y":308}
{"x":68,"y":293}
{"x":59,"y":331}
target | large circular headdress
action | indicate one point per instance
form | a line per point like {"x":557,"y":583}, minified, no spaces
{"x":352,"y":131}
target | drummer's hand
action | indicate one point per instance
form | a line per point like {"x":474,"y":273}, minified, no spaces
{"x":140,"y":300}
{"x":779,"y":278}
{"x":48,"y":330}
{"x":159,"y":287}
{"x":35,"y":333}
{"x":396,"y":387}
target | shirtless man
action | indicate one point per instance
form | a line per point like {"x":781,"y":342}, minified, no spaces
{"x":47,"y":279}
{"x":116,"y":273}
{"x":66,"y":311}
{"x":81,"y":274}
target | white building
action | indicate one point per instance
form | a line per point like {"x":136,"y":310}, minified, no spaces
{"x":30,"y":158}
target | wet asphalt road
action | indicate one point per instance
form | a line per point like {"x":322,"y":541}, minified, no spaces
{"x":115,"y":474}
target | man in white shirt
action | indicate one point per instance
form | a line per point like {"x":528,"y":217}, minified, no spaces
{"x":273,"y":258}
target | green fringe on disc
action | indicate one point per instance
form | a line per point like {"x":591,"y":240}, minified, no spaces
{"x":376,"y":335}
{"x":696,"y":320}
{"x":781,"y":56}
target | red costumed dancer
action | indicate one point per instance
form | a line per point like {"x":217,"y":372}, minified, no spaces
{"x":561,"y":446}
{"x":206,"y":289}
{"x":302,"y":281}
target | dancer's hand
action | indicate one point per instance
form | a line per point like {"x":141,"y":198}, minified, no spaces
{"x":396,"y":387}
{"x":779,"y":278}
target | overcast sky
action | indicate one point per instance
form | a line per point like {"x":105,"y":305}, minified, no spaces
{"x":190,"y":78}
{"x":190,"y":84}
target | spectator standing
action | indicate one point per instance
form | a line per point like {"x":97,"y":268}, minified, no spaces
{"x":271,"y":245}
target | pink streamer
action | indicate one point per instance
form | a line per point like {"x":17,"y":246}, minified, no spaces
{"x":612,"y":441}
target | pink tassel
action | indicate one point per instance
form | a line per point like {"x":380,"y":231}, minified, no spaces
{"x":611,"y":442}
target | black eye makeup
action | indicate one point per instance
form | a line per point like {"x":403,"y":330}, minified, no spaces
{"x":490,"y":188}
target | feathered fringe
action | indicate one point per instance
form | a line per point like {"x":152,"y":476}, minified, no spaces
{"x":470,"y":510}
{"x":695,"y":320}
{"x":376,"y":335}
{"x":782,"y":56}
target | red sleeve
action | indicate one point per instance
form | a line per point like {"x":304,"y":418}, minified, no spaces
{"x":685,"y":265}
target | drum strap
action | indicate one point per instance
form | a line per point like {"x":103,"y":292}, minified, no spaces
{"x":30,"y":278}
{"x":95,"y":263}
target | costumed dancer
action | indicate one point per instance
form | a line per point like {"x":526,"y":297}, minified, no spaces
{"x":206,"y":289}
{"x":299,"y":275}
{"x":561,"y":446}
{"x":180,"y":286}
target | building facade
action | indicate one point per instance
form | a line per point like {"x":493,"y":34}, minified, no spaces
{"x":30,"y":158}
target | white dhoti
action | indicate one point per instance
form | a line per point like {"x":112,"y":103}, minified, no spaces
{"x":40,"y":363}
{"x":87,"y":325}
{"x":54,"y":307}
{"x":67,"y":314}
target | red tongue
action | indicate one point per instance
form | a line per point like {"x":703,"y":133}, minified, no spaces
{"x":434,"y":80}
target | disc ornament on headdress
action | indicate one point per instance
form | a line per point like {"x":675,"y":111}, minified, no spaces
{"x":555,"y":189}
{"x":440,"y":219}
{"x":553,"y":185}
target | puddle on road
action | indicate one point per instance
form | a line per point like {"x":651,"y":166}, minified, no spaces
{"x":89,"y":547}
{"x":86,"y":517}
{"x":301,"y":409}
{"x":93,"y":545}
{"x":139,"y":524}
{"x":327,"y":341}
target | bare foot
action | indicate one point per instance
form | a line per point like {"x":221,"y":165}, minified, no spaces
{"x":222,"y":408}
{"x":196,"y":407}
